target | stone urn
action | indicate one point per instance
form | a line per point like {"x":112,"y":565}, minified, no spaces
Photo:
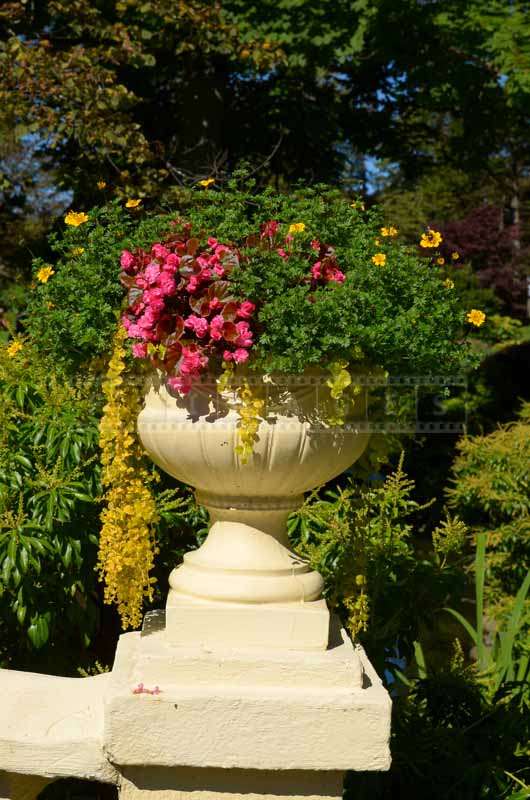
{"x":245,"y":585}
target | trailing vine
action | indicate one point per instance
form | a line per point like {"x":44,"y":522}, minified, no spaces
{"x":127,"y":547}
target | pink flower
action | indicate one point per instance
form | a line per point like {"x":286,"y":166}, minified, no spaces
{"x":179,"y":384}
{"x":337,"y":276}
{"x":219,"y":270}
{"x":246,"y":309}
{"x":193,"y":284}
{"x":192,"y":361}
{"x":166,"y":283}
{"x":171,"y":263}
{"x":127,"y":260}
{"x":197,"y":324}
{"x":281,"y":252}
{"x":139,"y":350}
{"x":244,"y":335}
{"x":315,"y":244}
{"x":316,"y":270}
{"x":240,"y":355}
{"x":216,"y":327}
{"x":159,"y":251}
{"x":214,"y":304}
{"x":152,"y":271}
{"x":212,"y":241}
{"x":154,"y":299}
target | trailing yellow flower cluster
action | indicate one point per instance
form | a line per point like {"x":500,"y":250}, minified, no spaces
{"x":250,"y":411}
{"x":127,"y":547}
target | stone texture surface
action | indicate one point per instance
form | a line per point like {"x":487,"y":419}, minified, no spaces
{"x":246,"y":718}
{"x":52,"y":726}
{"x":188,"y":783}
{"x":293,"y":626}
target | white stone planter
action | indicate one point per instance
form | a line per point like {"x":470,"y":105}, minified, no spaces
{"x":246,"y":563}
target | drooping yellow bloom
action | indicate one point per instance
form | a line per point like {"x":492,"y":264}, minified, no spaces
{"x":45,"y":273}
{"x":127,"y":544}
{"x":206,"y":182}
{"x":133,"y":203}
{"x":76,"y":218}
{"x":449,"y":284}
{"x":455,"y":256}
{"x":78,"y":251}
{"x":476,"y":317}
{"x":297,"y":227}
{"x":379,"y":259}
{"x":357,"y":205}
{"x":430,"y":238}
{"x":102,"y":184}
{"x":14,"y":348}
{"x":440,"y":261}
{"x":390,"y":231}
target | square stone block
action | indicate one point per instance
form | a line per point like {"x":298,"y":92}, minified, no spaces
{"x":246,"y":709}
{"x":292,"y":626}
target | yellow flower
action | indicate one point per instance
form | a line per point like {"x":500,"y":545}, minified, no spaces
{"x":379,"y":259}
{"x":76,"y":218}
{"x":14,"y":348}
{"x":78,"y":251}
{"x":133,"y":203}
{"x":206,"y":182}
{"x":476,"y":317}
{"x":455,"y":256}
{"x":431,"y":238}
{"x":297,"y":227}
{"x":449,"y":284}
{"x":45,"y":273}
{"x":102,"y":184}
{"x":440,"y":261}
{"x":357,"y":205}
{"x":245,"y":53}
{"x":377,"y":242}
{"x":390,"y":231}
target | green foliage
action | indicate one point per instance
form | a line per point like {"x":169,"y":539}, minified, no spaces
{"x":360,"y":538}
{"x":49,"y":484}
{"x":491,"y":492}
{"x":399,"y":317}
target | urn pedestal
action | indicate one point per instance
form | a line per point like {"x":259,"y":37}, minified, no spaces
{"x":250,"y":689}
{"x":245,"y":585}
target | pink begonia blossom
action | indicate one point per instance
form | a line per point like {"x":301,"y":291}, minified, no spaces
{"x":159,"y":251}
{"x":214,"y":304}
{"x":281,"y":252}
{"x":316,"y":270}
{"x":152,"y":271}
{"x":171,"y":263}
{"x":166,"y":283}
{"x":337,"y":276}
{"x":246,"y":309}
{"x":315,"y":244}
{"x":139,"y":350}
{"x":212,"y":241}
{"x":244,"y":337}
{"x":127,"y":260}
{"x":216,"y":327}
{"x":192,"y":361}
{"x":199,"y":325}
{"x":240,"y":355}
{"x":179,"y":383}
{"x":219,"y":270}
